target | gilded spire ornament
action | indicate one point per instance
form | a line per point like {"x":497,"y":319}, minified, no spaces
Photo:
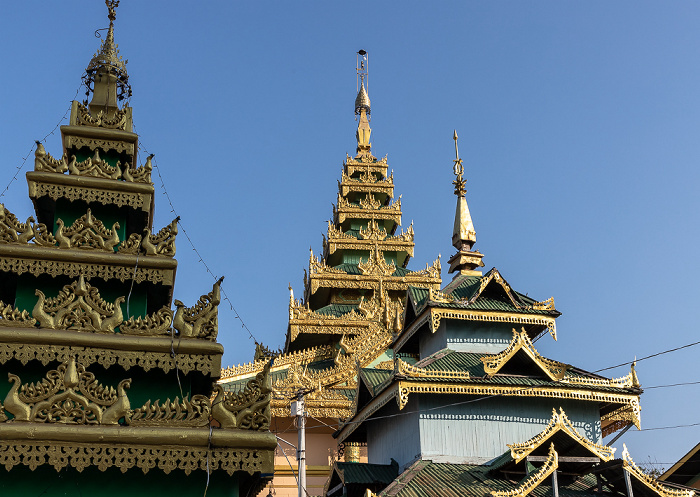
{"x":363,"y":108}
{"x":463,"y":234}
{"x":105,"y":75}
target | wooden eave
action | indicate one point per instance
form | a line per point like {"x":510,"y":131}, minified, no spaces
{"x":91,"y":189}
{"x":351,"y":167}
{"x":344,"y":213}
{"x":38,"y":260}
{"x":141,"y":442}
{"x":119,"y":140}
{"x":431,"y":316}
{"x":369,"y":281}
{"x":387,"y":245}
{"x":355,"y":185}
{"x":26,"y":343}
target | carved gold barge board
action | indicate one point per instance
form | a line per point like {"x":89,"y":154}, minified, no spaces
{"x":26,"y":344}
{"x":35,"y":260}
{"x":100,"y":190}
{"x":533,"y":481}
{"x":96,"y":137}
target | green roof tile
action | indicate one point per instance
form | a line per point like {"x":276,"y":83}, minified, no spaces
{"x":336,"y":310}
{"x":355,"y":472}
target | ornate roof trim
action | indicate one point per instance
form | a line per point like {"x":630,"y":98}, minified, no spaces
{"x":521,"y":342}
{"x":534,"y":480}
{"x":651,"y":483}
{"x":559,"y":422}
{"x":320,"y":353}
{"x":411,"y":371}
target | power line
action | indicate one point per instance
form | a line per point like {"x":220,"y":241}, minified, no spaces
{"x":649,"y":356}
{"x":194,"y":248}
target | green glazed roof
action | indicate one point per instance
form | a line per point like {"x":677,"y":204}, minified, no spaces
{"x":336,"y":310}
{"x":354,"y":472}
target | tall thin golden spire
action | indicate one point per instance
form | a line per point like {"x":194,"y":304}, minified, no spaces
{"x":362,"y":107}
{"x":105,"y":75}
{"x":463,"y":234}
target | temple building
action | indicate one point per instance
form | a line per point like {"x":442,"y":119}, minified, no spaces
{"x":415,"y":388}
{"x":104,"y":388}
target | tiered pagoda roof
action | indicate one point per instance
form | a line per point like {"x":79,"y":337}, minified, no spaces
{"x":353,"y":300}
{"x":103,"y":373}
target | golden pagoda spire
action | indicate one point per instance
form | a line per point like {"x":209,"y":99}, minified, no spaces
{"x":105,"y":75}
{"x":363,"y":108}
{"x":463,"y":234}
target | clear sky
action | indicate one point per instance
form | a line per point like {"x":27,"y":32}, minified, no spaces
{"x":578,"y":125}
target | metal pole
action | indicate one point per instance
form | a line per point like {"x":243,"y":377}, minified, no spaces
{"x":301,"y":451}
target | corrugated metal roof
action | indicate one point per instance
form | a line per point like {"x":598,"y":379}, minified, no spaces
{"x":428,"y":479}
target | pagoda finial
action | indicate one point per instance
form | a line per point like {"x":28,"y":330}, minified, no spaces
{"x":362,"y":107}
{"x":105,"y":75}
{"x":463,"y":234}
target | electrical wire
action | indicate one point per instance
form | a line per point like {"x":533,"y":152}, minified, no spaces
{"x":649,"y":356}
{"x":194,"y":248}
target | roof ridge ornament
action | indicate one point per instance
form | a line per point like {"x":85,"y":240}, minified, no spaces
{"x":363,"y":109}
{"x":463,"y":234}
{"x":105,"y":75}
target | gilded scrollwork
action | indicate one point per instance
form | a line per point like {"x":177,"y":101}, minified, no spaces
{"x":78,"y":142}
{"x":10,"y":316}
{"x":649,"y":481}
{"x":163,"y":242}
{"x":78,"y":306}
{"x":200,"y":321}
{"x":90,"y":194}
{"x":521,"y":342}
{"x":376,"y":265}
{"x":86,"y":232}
{"x":154,"y":324}
{"x":124,"y":457}
{"x":533,"y":480}
{"x":373,"y":232}
{"x":13,"y":231}
{"x":95,"y":167}
{"x":559,"y":422}
{"x":319,"y":266}
{"x":68,"y":395}
{"x":120,"y":120}
{"x":249,"y":409}
{"x":107,"y":358}
{"x":310,"y":354}
{"x":410,"y":371}
{"x":141,"y":174}
{"x":437,"y":315}
{"x":188,"y":412}
{"x":43,"y":162}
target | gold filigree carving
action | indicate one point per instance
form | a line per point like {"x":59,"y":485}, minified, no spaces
{"x":119,"y":120}
{"x":89,"y":194}
{"x":125,"y":359}
{"x":12,"y":231}
{"x":14,"y":317}
{"x":629,"y":413}
{"x":373,"y":232}
{"x":249,"y":409}
{"x":304,"y":356}
{"x":86,"y":233}
{"x":162,"y":243}
{"x":43,"y":161}
{"x":124,"y":457}
{"x":410,"y":371}
{"x":200,"y":321}
{"x":521,"y":342}
{"x":95,"y":167}
{"x":131,"y":245}
{"x":649,"y":481}
{"x":369,"y":202}
{"x":545,"y":305}
{"x":106,"y":272}
{"x":78,"y":142}
{"x":188,"y":412}
{"x":628,"y":381}
{"x":155,"y":324}
{"x":69,"y":395}
{"x":376,"y":265}
{"x":534,"y":480}
{"x":78,"y":306}
{"x":436,"y":315}
{"x":559,"y":422}
{"x":319,"y":266}
{"x":552,"y":392}
{"x":140,"y":174}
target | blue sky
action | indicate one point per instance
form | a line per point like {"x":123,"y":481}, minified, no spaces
{"x":578,"y":125}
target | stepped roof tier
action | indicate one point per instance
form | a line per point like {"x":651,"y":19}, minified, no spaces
{"x":103,"y":374}
{"x":353,"y":299}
